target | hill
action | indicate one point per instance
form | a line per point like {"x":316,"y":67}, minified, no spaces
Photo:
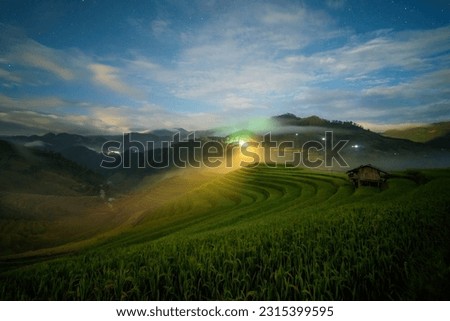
{"x":363,"y":146}
{"x":47,"y":200}
{"x":421,"y":134}
{"x":290,"y":119}
{"x":264,"y":234}
{"x":442,"y":142}
{"x":86,"y":150}
{"x":42,"y":172}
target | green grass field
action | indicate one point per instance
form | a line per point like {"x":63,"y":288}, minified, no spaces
{"x":262,"y":234}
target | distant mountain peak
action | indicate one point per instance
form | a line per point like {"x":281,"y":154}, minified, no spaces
{"x":49,"y":135}
{"x":293,"y":120}
{"x":314,"y":117}
{"x":286,"y":116}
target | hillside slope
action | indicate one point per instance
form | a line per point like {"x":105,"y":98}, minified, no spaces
{"x":46,"y":200}
{"x":265,"y":234}
{"x":421,"y":134}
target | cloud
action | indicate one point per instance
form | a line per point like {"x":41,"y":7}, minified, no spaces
{"x":34,"y":103}
{"x":336,"y":4}
{"x":230,"y":63}
{"x":169,"y":119}
{"x":380,"y":128}
{"x":236,"y":64}
{"x":21,"y":50}
{"x":233,"y":57}
{"x":426,"y":86}
{"x":232,"y":101}
{"x":159,"y":27}
{"x":108,"y":77}
{"x":409,"y":50}
{"x":99,"y":119}
{"x":112,"y":118}
{"x":415,"y":51}
{"x":423,"y":98}
{"x":69,"y":65}
{"x":40,"y":57}
{"x":31,"y":122}
{"x":37,"y":122}
{"x":9,"y":76}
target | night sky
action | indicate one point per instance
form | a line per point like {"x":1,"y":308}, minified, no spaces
{"x":92,"y":67}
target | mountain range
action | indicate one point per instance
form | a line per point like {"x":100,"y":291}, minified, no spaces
{"x":426,"y":146}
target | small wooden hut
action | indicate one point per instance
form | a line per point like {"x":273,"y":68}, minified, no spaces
{"x":367,"y":175}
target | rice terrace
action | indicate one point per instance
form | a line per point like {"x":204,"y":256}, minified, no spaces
{"x":261,"y":233}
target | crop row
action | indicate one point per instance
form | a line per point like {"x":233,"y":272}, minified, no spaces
{"x":265,"y":234}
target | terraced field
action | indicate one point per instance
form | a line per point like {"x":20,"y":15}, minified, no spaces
{"x":262,"y":234}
